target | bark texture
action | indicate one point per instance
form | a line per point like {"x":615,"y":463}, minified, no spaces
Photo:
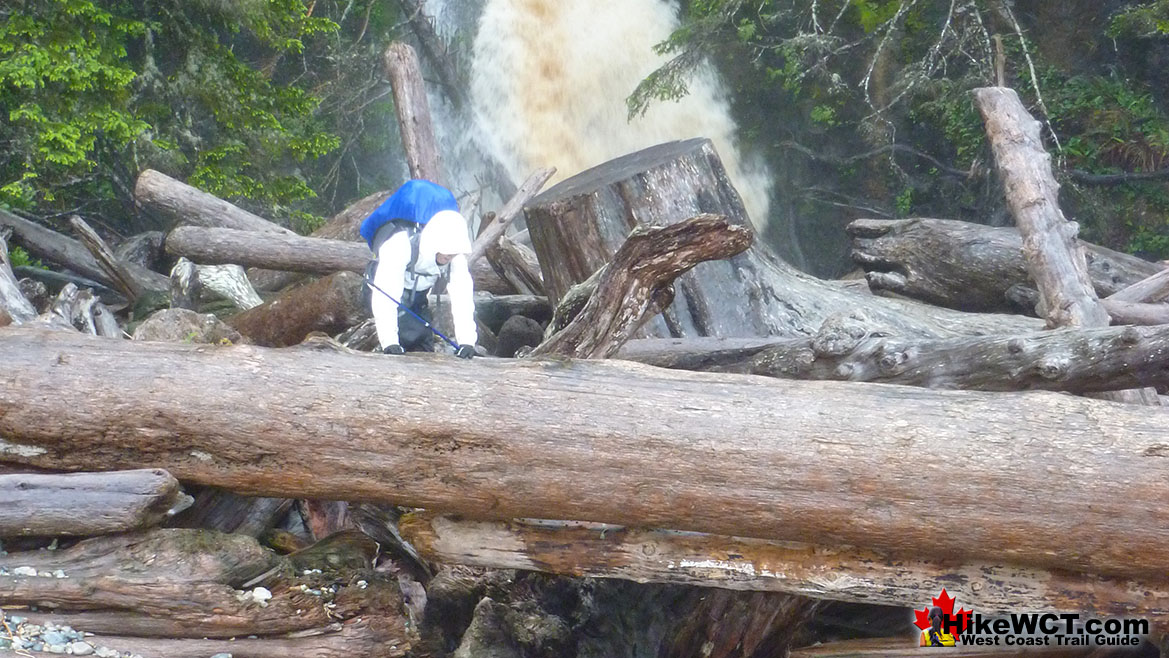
{"x":639,"y":274}
{"x":847,"y":349}
{"x":332,"y":305}
{"x":413,"y":109}
{"x":1038,"y":478}
{"x":177,"y":203}
{"x":839,"y":574}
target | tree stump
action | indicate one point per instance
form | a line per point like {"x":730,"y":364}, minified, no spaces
{"x":577,"y":226}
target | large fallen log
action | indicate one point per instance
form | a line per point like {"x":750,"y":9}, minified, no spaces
{"x":640,"y":272}
{"x":1054,"y":259}
{"x":1072,"y":360}
{"x":290,"y":253}
{"x":840,"y":574}
{"x":577,"y":225}
{"x":969,"y":267}
{"x":87,"y":504}
{"x":368,"y":637}
{"x":1034,"y":478}
{"x":187,"y":577}
{"x":177,"y":203}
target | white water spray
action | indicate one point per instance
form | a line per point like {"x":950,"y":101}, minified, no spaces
{"x":550,"y":79}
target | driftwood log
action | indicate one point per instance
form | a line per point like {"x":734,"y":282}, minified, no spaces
{"x":54,"y":247}
{"x":1054,"y":258}
{"x":332,"y":305}
{"x":970,"y":267}
{"x":1154,"y":288}
{"x":86,"y":504}
{"x":847,"y":349}
{"x":510,"y":210}
{"x":191,"y":284}
{"x":176,"y":583}
{"x":642,"y":270}
{"x":130,"y":279}
{"x":577,"y":225}
{"x":413,"y":110}
{"x":174,"y":202}
{"x":288,"y":253}
{"x":368,"y":636}
{"x":14,"y":306}
{"x":291,"y":253}
{"x":516,"y":264}
{"x":840,"y":574}
{"x":79,"y":310}
{"x":1037,"y":478}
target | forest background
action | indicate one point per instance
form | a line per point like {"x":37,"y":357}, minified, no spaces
{"x":859,"y":107}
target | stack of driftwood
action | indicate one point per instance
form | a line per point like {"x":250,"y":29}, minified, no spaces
{"x":744,"y":500}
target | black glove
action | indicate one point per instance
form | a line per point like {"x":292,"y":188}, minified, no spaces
{"x":465,"y":351}
{"x":394,"y":349}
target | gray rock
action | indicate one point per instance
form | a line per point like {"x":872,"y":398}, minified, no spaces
{"x":222,"y":655}
{"x":55,"y":638}
{"x":80,"y":648}
{"x":106,"y":652}
{"x":179,"y":325}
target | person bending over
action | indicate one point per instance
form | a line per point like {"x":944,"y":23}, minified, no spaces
{"x":417,"y":235}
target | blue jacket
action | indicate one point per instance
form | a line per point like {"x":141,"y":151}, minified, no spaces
{"x":416,"y":201}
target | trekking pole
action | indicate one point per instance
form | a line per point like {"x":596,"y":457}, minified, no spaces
{"x":402,"y":306}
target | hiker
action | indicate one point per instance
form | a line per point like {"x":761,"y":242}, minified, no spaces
{"x":935,"y":635}
{"x":415,"y":235}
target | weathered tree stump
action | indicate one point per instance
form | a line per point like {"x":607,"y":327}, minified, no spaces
{"x":577,"y":226}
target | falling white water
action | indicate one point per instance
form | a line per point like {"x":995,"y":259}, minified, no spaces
{"x":550,"y":79}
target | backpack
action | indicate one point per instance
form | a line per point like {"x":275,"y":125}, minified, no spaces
{"x":387,"y":231}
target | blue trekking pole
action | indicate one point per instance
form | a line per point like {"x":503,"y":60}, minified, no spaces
{"x":402,"y":306}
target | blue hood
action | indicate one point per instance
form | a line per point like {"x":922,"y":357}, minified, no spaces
{"x":416,"y":201}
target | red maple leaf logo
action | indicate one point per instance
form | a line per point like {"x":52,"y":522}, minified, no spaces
{"x":946,"y":603}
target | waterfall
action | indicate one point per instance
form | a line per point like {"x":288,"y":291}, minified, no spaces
{"x":549,"y":79}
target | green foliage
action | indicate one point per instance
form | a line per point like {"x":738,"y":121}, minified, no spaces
{"x":1143,"y":20}
{"x":21,"y":258}
{"x":228,"y":95}
{"x":876,"y":97}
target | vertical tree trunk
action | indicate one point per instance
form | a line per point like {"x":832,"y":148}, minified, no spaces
{"x":413,"y":110}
